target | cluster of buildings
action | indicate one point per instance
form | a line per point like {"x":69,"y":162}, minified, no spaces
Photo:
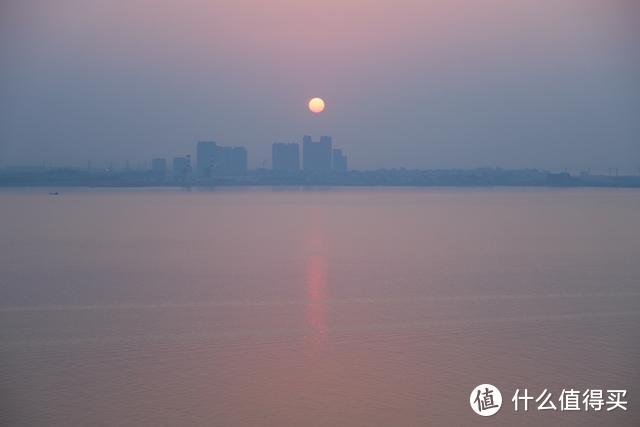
{"x":181,"y":168}
{"x":317,"y":156}
{"x":213,"y":160}
{"x":308,"y":164}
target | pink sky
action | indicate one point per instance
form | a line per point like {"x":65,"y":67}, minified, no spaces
{"x":407,"y":83}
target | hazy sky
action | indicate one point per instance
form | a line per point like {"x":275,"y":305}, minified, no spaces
{"x":423,"y":83}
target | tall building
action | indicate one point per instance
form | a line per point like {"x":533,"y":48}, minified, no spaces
{"x":181,"y":167}
{"x":239,"y":161}
{"x":223,"y":162}
{"x":339,"y":161}
{"x":205,"y":157}
{"x":216,"y":160}
{"x":316,"y":156}
{"x":285,"y":157}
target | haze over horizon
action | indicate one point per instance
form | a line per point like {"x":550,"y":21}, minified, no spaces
{"x":408,"y":83}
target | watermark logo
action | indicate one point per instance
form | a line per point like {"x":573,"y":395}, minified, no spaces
{"x":485,"y":400}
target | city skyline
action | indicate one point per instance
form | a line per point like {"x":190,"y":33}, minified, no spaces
{"x":179,"y":161}
{"x":291,"y":155}
{"x":217,"y":160}
{"x":146,"y":163}
{"x":309,"y":163}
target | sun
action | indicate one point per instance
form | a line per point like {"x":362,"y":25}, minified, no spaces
{"x":316,"y":105}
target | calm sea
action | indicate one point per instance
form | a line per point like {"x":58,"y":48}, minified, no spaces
{"x":292,"y":307}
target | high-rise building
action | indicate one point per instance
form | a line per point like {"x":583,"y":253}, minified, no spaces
{"x":230,"y":161}
{"x":339,"y":161}
{"x":285,"y":157}
{"x":239,"y":161}
{"x":316,"y":156}
{"x":181,"y":167}
{"x":223,"y":162}
{"x":205,"y":158}
{"x":215,"y":160}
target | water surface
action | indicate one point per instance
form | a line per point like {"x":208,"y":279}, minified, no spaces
{"x":355,"y":307}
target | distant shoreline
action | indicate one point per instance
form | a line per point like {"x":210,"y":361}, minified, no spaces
{"x":463,"y":178}
{"x":308,"y":185}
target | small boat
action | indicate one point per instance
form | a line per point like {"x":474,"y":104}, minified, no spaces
{"x":54,"y":193}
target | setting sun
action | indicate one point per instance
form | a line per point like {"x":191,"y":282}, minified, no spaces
{"x":316,"y":105}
